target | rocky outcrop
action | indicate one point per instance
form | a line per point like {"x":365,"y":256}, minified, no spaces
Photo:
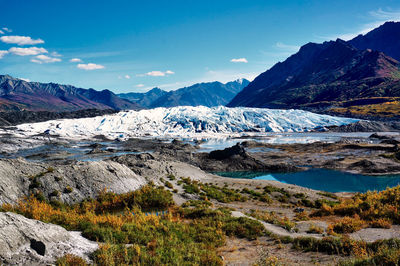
{"x":66,"y":183}
{"x":25,"y":241}
{"x":368,"y":126}
{"x":236,"y":150}
{"x":236,"y":158}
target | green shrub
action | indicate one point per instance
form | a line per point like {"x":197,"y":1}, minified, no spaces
{"x":71,"y":260}
{"x":169,"y":185}
{"x":243,"y":227}
{"x":55,"y":193}
{"x":171,"y":177}
{"x":328,"y":194}
{"x":68,"y":189}
{"x":191,"y":188}
{"x":313,"y":229}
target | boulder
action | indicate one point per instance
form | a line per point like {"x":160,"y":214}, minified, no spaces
{"x":26,"y":241}
{"x":236,"y":150}
{"x":69,"y":183}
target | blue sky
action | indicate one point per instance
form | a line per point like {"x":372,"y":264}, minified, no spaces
{"x":137,"y":45}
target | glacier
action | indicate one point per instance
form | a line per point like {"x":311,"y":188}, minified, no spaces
{"x":187,"y":122}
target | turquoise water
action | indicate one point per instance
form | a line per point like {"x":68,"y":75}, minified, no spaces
{"x":323,"y":179}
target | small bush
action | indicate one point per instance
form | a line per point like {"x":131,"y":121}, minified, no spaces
{"x":265,"y":198}
{"x":197,"y":203}
{"x":71,"y":260}
{"x":302,"y":216}
{"x":370,"y":206}
{"x":169,"y":185}
{"x":243,"y":227}
{"x":68,"y":189}
{"x":171,"y":177}
{"x":324,"y":210}
{"x":269,"y":189}
{"x":273,"y":218}
{"x":299,"y":195}
{"x":191,"y":188}
{"x":328,"y":195}
{"x":346,"y":225}
{"x":315,"y":229}
{"x":50,"y":169}
{"x":55,"y":193}
{"x":380,"y":223}
{"x":329,"y":245}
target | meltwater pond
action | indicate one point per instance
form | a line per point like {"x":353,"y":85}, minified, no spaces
{"x":323,"y":179}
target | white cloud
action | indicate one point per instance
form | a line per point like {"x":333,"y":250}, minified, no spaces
{"x":27,"y":51}
{"x":377,"y":18}
{"x":3,"y":53}
{"x":127,"y":76}
{"x":157,"y":73}
{"x":40,"y":59}
{"x":7,"y":29}
{"x":55,"y":54}
{"x":239,"y":60}
{"x":20,"y":40}
{"x":364,"y":29}
{"x":90,"y":66}
{"x":74,"y":60}
{"x":1,"y":32}
{"x":386,"y":15}
{"x":287,"y":47}
{"x":27,"y":80}
{"x":140,"y":86}
{"x":36,"y":61}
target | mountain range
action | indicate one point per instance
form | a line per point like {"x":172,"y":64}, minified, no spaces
{"x":320,"y":76}
{"x":17,"y":94}
{"x":207,"y":94}
{"x":331,"y":72}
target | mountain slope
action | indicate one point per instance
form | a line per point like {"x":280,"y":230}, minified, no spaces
{"x":144,"y":99}
{"x":385,"y":38}
{"x":207,"y":94}
{"x":16,"y":94}
{"x":328,"y":72}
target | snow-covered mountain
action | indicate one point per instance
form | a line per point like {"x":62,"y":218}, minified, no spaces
{"x":186,"y":121}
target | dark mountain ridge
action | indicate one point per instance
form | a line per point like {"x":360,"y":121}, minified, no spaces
{"x":17,"y":94}
{"x":144,"y":99}
{"x":329,"y":72}
{"x":385,"y":38}
{"x":207,"y":94}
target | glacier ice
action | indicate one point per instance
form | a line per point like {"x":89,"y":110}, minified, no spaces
{"x":188,"y":122}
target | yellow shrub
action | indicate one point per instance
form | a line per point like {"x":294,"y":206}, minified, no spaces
{"x":380,"y":223}
{"x":346,"y":225}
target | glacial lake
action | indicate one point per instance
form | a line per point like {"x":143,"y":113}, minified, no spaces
{"x":323,"y":179}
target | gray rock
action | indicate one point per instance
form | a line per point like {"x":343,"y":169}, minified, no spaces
{"x":70,"y":183}
{"x":25,"y":241}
